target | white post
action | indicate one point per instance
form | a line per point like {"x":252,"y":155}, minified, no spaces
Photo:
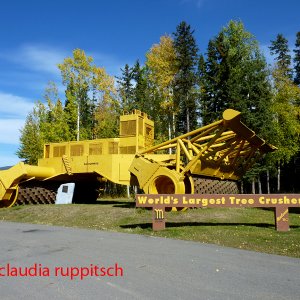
{"x":128,"y":192}
{"x":268,"y":181}
{"x":78,"y":116}
{"x":170,"y":150}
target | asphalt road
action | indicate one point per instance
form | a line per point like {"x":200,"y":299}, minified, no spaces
{"x":153,"y":268}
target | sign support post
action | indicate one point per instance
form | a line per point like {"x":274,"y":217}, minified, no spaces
{"x":282,"y":218}
{"x":158,"y":218}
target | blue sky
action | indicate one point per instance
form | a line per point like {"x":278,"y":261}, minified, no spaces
{"x":37,"y":35}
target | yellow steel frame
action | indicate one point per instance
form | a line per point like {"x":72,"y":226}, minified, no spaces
{"x":223,"y":149}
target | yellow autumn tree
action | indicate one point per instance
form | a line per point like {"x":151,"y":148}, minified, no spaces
{"x":160,"y":60}
{"x":107,"y":109}
{"x":286,"y":110}
{"x":91,"y":92}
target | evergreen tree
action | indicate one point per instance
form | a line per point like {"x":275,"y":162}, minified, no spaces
{"x":235,"y":75}
{"x":212,"y":79}
{"x":297,"y":59}
{"x":125,"y":88}
{"x":31,"y":143}
{"x":185,"y":80}
{"x":133,"y":88}
{"x":202,"y":91}
{"x":85,"y":113}
{"x":139,"y":75}
{"x":52,"y":117}
{"x":46,"y":123}
{"x":280,"y":48}
{"x":71,"y":110}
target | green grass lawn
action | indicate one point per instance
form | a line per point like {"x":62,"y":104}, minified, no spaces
{"x":244,"y":228}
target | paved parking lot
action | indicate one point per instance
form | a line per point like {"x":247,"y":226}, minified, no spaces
{"x":153,"y":268}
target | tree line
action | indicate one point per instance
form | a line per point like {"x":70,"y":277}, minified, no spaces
{"x":181,"y":88}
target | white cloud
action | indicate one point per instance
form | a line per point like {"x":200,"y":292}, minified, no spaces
{"x":10,"y":131}
{"x":43,"y":58}
{"x":39,"y":58}
{"x":31,"y":66}
{"x":14,"y":106}
{"x":13,"y":111}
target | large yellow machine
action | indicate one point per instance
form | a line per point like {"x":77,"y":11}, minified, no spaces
{"x":210,"y":159}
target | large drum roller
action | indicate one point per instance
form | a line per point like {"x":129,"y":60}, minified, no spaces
{"x":10,"y":179}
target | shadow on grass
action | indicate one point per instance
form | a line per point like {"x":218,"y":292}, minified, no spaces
{"x":183,"y":224}
{"x":292,"y":210}
{"x":122,"y":204}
